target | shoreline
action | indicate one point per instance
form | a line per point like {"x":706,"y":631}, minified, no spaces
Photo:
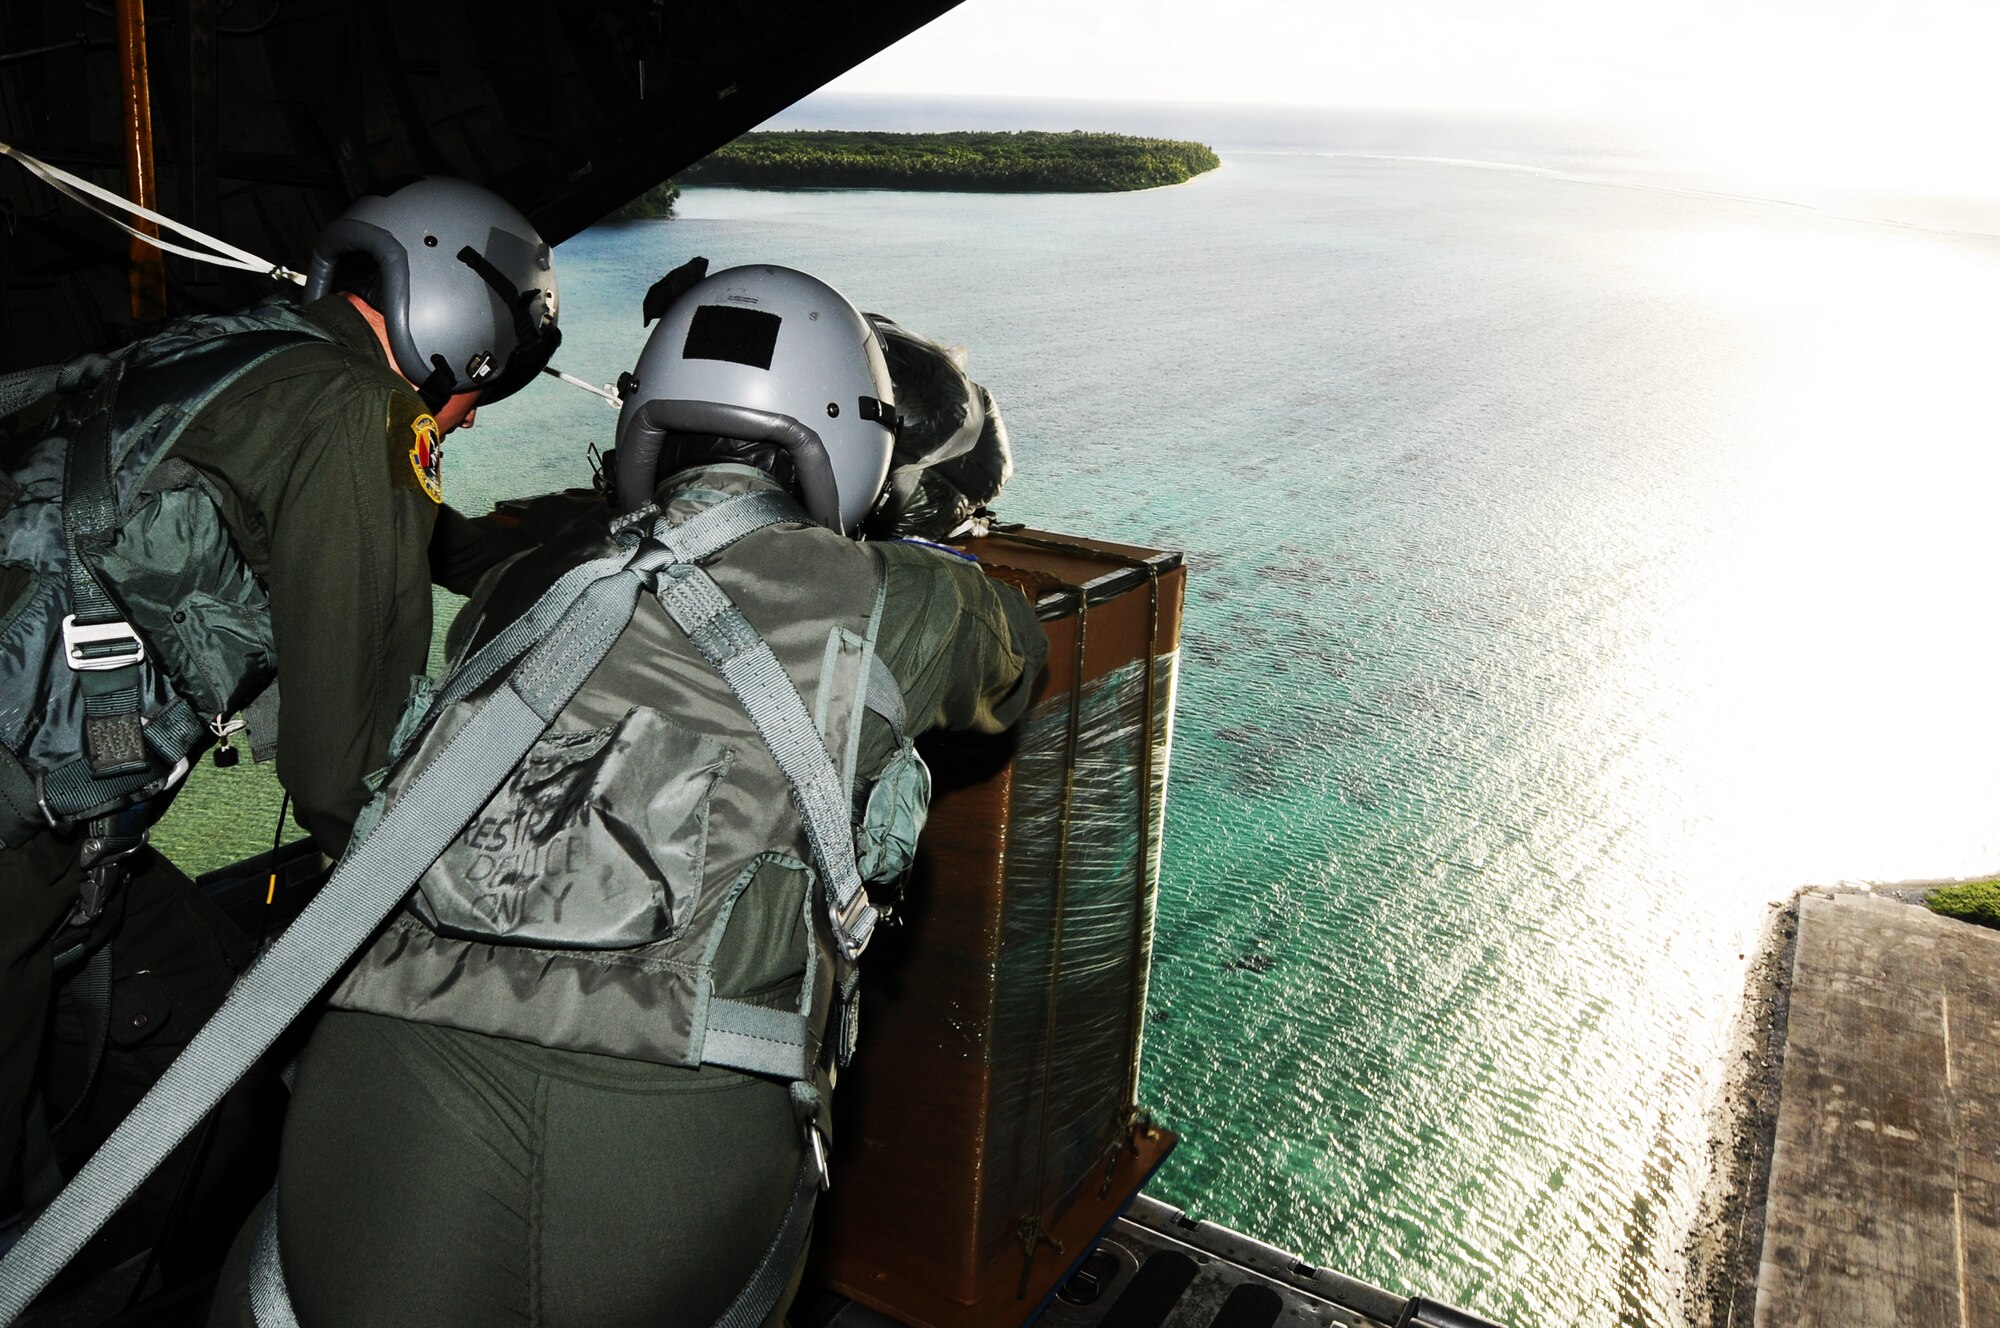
{"x":960,"y":161}
{"x":1727,"y":1234}
{"x":1725,"y":1241}
{"x":884,"y":189}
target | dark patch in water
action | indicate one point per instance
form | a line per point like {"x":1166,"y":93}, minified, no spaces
{"x":1356,"y":790}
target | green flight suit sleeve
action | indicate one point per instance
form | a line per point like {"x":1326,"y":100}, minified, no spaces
{"x":349,"y":579}
{"x":965,"y":649}
{"x":464,"y":548}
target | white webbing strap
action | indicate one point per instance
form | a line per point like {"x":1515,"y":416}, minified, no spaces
{"x":98,"y":199}
{"x":376,"y":874}
{"x":90,"y":196}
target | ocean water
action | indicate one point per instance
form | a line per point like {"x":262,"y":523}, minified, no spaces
{"x":1583,"y":555}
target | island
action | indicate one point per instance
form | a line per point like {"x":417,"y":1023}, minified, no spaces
{"x":1029,"y":161}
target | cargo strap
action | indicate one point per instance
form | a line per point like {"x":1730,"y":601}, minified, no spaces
{"x":375,"y":875}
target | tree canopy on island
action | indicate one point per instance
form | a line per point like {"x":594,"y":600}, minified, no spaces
{"x":654,"y":204}
{"x":1021,"y":162}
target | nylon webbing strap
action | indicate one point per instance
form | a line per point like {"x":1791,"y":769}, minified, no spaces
{"x":757,"y":1040}
{"x":485,"y":663}
{"x":173,"y":732}
{"x":774,"y":1271}
{"x":71,"y":789}
{"x":113,"y":739}
{"x":25,"y":387}
{"x":728,"y":641}
{"x":374,"y":876}
{"x":89,"y":506}
{"x":885,"y":695}
{"x":553,"y":670}
{"x":714,"y":529}
{"x":705,"y":534}
{"x":90,"y":992}
{"x":270,"y":1300}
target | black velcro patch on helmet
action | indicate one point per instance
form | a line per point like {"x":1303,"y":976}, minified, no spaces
{"x":725,"y":332}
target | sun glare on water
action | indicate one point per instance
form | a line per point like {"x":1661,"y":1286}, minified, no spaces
{"x":1849,"y":566}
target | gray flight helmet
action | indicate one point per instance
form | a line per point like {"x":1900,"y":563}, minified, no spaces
{"x":765,"y":355}
{"x":467,"y":286}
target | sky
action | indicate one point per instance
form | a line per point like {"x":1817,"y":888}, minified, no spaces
{"x":1904,"y":94}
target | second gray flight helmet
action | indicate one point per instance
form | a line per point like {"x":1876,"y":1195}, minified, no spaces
{"x":467,"y":288}
{"x":769,"y":355}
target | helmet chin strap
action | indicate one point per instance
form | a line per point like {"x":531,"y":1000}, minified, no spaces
{"x":437,"y":389}
{"x":535,"y":341}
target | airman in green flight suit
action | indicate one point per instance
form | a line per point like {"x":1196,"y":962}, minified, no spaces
{"x":324,"y":463}
{"x":584,"y":1075}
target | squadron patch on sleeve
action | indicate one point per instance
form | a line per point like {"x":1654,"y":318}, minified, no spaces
{"x":427,"y":456}
{"x":416,"y":448}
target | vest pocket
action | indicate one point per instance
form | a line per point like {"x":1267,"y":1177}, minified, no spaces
{"x":597,"y":840}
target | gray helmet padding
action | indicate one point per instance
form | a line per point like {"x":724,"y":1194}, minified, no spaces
{"x":433,"y":304}
{"x":639,"y":448}
{"x":774,"y":348}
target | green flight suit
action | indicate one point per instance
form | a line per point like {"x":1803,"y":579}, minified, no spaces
{"x":438,"y":1172}
{"x":311,"y":459}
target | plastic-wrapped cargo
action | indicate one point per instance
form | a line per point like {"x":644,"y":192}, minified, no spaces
{"x":990,"y":1128}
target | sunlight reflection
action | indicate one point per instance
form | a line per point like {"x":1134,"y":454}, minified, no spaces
{"x":1831,"y":639}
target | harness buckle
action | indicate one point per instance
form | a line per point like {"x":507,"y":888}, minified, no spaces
{"x":105,"y":859}
{"x":99,"y":647}
{"x":818,"y":1147}
{"x":847,"y":1027}
{"x":854,"y":925}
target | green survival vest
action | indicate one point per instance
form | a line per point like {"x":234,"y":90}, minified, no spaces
{"x":643,"y":884}
{"x":129,"y":622}
{"x":462,"y":743}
